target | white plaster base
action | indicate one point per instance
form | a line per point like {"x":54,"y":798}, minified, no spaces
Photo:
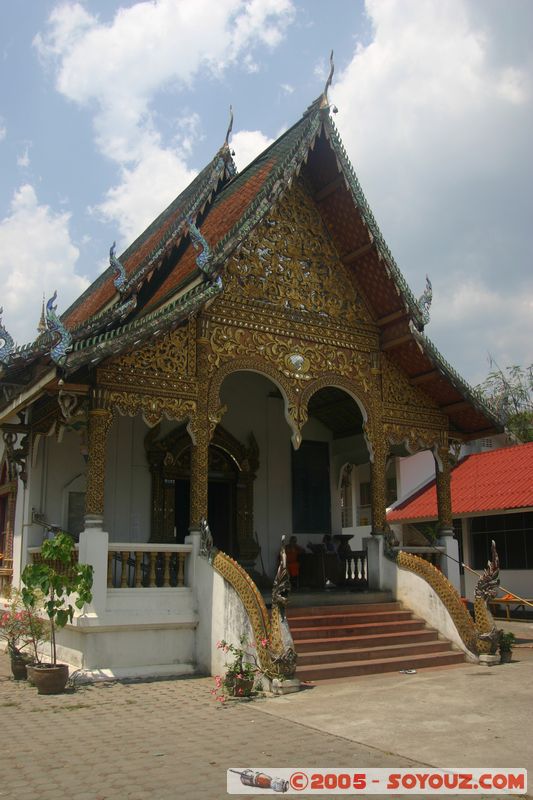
{"x":487,"y":660}
{"x":285,"y":686}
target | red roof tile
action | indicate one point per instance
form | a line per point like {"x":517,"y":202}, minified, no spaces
{"x":221,"y":218}
{"x":491,"y":481}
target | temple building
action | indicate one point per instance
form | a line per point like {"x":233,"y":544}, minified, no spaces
{"x":254,"y":358}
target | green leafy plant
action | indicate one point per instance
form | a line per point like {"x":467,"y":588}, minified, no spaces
{"x":241,"y":670}
{"x":54,"y":579}
{"x":506,"y":642}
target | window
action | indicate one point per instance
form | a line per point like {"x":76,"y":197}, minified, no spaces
{"x":311,"y":501}
{"x":513,"y":534}
{"x":391,"y":490}
{"x":364,"y":493}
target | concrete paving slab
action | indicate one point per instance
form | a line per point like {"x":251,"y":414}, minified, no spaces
{"x":163,"y":739}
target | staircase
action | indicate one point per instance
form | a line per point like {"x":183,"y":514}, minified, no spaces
{"x":341,"y":641}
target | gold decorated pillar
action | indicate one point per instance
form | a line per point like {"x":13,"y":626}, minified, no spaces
{"x":444,"y":497}
{"x":199,"y":472}
{"x":378,"y":464}
{"x":99,"y":423}
{"x":200,"y":431}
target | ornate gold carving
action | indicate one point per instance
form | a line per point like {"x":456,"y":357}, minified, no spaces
{"x":166,"y":356}
{"x":378,"y":495}
{"x":152,"y":407}
{"x":312,"y":360}
{"x":290,"y":261}
{"x":171,"y":458}
{"x":254,"y":605}
{"x":410,"y":415}
{"x":415,"y":436}
{"x":448,"y":595}
{"x":99,"y":423}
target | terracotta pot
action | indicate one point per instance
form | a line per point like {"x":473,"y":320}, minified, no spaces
{"x":506,"y":656}
{"x":19,"y":669}
{"x":50,"y":679}
{"x":243,"y":687}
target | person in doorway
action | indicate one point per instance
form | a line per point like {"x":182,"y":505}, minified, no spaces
{"x":293,"y":551}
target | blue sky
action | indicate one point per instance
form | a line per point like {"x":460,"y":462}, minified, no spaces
{"x":108,"y":109}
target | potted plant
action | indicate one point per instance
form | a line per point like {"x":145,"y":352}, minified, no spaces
{"x":241,"y":671}
{"x":22,"y":629}
{"x":506,"y":643}
{"x":55,"y":578}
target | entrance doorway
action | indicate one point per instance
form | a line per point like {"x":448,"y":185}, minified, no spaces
{"x":221,"y":512}
{"x":231,"y":472}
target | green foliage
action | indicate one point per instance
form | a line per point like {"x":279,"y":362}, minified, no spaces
{"x":506,"y":642}
{"x":55,"y":579}
{"x":509,"y":392}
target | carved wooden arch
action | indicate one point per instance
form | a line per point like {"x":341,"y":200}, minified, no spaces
{"x":263,"y":367}
{"x":351,"y":387}
{"x":169,"y":459}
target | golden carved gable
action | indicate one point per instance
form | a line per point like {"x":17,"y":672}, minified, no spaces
{"x":398,"y":391}
{"x":167,"y":356}
{"x":290,"y":261}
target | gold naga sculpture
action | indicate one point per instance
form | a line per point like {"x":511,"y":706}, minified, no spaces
{"x":480,"y":635}
{"x":275,"y":652}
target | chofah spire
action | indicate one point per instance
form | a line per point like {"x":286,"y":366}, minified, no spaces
{"x":324,"y":102}
{"x":41,"y":327}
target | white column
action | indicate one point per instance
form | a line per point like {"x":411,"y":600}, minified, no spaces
{"x":93,"y":551}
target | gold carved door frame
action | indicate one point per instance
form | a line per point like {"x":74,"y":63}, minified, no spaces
{"x":170,"y":460}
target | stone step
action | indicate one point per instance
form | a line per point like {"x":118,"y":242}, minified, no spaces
{"x":372,"y":640}
{"x":347,"y":618}
{"x":356,"y":629}
{"x":349,"y":608}
{"x":346,"y":669}
{"x":331,"y":656}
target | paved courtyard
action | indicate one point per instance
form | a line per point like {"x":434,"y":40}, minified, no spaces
{"x":165,"y":739}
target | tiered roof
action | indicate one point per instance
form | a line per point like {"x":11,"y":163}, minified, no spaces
{"x":166,"y":277}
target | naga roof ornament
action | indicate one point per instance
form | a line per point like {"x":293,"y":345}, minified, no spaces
{"x":7,"y":343}
{"x":424,"y":301}
{"x":203,"y":258}
{"x":230,"y":126}
{"x":59,"y":351}
{"x":120,"y":273}
{"x":324,"y":102}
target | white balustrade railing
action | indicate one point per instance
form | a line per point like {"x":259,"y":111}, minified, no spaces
{"x":131,"y":565}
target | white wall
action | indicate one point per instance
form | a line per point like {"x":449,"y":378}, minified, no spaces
{"x":128,"y":486}
{"x":413,"y":472}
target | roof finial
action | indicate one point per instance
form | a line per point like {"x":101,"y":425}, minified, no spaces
{"x":325,"y":102}
{"x":41,"y":327}
{"x":230,"y":126}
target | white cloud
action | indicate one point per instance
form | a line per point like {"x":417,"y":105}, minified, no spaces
{"x":247,"y":146}
{"x":287,"y":88}
{"x":144,"y":190}
{"x":3,"y":129}
{"x":435,"y":113}
{"x":118,"y":68}
{"x":36,"y":256}
{"x":23,"y":160}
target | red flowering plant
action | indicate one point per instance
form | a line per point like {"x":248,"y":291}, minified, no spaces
{"x":21,"y":628}
{"x":241,"y":671}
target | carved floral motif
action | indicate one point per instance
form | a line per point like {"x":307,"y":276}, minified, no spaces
{"x":290,"y":261}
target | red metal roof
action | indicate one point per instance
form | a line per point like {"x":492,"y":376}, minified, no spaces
{"x":493,"y":481}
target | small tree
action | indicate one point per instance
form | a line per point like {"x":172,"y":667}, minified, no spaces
{"x":55,"y":578}
{"x":510,"y":393}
